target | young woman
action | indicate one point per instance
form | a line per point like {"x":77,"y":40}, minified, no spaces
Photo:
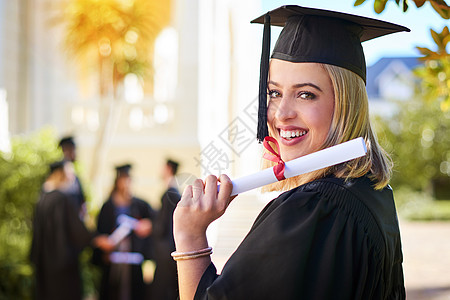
{"x":334,"y":233}
{"x":123,"y":280}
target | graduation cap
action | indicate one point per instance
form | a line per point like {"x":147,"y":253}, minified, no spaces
{"x":319,"y":36}
{"x":173,"y":165}
{"x":66,"y":141}
{"x":123,"y":170}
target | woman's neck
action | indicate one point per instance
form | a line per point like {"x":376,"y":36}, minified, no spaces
{"x":121,"y":198}
{"x":52,"y":184}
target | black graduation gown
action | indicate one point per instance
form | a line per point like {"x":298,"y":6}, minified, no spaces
{"x":165,"y":284}
{"x":75,"y":191}
{"x":106,"y":224}
{"x":58,"y":237}
{"x":327,"y":239}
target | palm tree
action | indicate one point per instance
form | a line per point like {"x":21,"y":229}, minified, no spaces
{"x":111,"y":38}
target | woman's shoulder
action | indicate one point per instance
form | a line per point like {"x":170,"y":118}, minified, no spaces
{"x":356,"y":197}
{"x":322,"y":197}
{"x":108,"y":204}
{"x":140,"y":202}
{"x":330,"y":189}
{"x":339,"y":185}
{"x":353,"y":191}
{"x":56,"y":196}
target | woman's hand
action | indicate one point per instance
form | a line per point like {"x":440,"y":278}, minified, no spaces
{"x":199,"y":206}
{"x":143,"y":228}
{"x":103,"y":242}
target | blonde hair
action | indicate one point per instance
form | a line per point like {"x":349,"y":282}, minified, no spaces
{"x":350,"y":120}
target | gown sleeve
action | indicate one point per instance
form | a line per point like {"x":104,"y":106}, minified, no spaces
{"x":304,"y":245}
{"x":77,"y":231}
{"x":105,"y":225}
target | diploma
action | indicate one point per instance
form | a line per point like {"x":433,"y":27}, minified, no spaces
{"x":128,"y":221}
{"x":131,"y":258}
{"x":126,"y":225}
{"x":315,"y":161}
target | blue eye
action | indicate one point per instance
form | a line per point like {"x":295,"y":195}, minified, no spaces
{"x":273,"y":94}
{"x":306,"y":95}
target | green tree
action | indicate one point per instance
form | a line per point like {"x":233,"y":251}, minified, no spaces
{"x":111,"y":38}
{"x":435,"y":74}
{"x":440,"y":6}
{"x":418,"y":140}
{"x":22,"y":172}
{"x":417,"y":134}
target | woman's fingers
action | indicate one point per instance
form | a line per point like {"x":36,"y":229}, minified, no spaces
{"x":211,"y":188}
{"x":226,"y":187}
{"x":197,"y":191}
{"x":200,"y":205}
{"x":203,"y":196}
{"x":186,"y":198}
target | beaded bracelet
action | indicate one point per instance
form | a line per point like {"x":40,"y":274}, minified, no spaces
{"x":192,"y":254}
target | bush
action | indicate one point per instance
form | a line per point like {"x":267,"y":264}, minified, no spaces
{"x":417,"y":139}
{"x":420,"y":206}
{"x":22,"y":172}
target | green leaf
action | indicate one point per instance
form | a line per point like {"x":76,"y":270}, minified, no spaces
{"x":436,"y":38}
{"x":445,"y":31}
{"x":446,"y":40}
{"x":405,"y":5}
{"x":441,"y":8}
{"x":379,"y":5}
{"x":425,"y":51}
{"x":419,"y":3}
{"x":358,"y":2}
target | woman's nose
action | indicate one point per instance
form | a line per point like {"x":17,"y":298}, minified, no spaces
{"x":285,"y":110}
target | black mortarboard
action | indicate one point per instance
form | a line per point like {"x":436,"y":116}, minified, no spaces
{"x":316,"y":35}
{"x":173,"y":165}
{"x":123,"y":170}
{"x":66,"y":141}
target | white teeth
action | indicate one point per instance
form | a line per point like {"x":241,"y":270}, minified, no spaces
{"x":291,"y":134}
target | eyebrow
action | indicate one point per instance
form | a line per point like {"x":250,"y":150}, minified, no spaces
{"x":298,"y":85}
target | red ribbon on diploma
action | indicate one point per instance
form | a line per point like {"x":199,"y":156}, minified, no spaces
{"x":274,"y":156}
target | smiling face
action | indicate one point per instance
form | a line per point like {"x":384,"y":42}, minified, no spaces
{"x":301,"y":105}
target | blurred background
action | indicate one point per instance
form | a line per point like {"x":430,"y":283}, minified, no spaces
{"x":140,"y":81}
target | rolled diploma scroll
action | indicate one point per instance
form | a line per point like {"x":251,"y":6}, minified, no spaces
{"x":126,"y":220}
{"x":318,"y":160}
{"x":131,"y":258}
{"x":127,"y":224}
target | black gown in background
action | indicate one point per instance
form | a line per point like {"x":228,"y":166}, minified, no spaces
{"x":76,"y":193}
{"x":58,"y":237}
{"x":165,"y":284}
{"x":327,"y":239}
{"x":106,"y":223}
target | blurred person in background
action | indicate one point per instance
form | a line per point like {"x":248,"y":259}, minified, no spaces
{"x":58,"y":238}
{"x":165,"y":284}
{"x":122,"y":276}
{"x":68,"y":147}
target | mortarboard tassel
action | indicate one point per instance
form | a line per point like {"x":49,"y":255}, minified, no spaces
{"x":263,"y":76}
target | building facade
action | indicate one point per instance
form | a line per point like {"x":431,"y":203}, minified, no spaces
{"x":198,"y":110}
